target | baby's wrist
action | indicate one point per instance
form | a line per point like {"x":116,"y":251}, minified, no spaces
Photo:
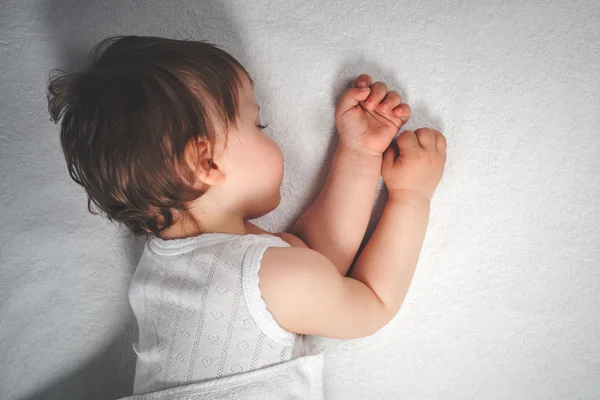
{"x":356,"y":150}
{"x":409,"y":196}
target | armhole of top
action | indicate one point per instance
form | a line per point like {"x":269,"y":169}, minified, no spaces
{"x":254,"y":301}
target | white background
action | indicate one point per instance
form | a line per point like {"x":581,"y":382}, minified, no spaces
{"x":505,"y":301}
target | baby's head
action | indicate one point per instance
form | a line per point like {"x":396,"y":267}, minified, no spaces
{"x":162,"y":133}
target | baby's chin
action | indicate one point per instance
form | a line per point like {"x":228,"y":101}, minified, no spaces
{"x":265,"y":206}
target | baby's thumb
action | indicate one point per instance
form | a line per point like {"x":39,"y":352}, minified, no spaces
{"x":351,"y":98}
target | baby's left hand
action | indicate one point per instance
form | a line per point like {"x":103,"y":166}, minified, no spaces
{"x":368,"y":120}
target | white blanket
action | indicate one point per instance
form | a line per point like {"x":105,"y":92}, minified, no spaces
{"x":504,"y":303}
{"x":298,"y":379}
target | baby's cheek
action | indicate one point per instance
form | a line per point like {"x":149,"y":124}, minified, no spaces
{"x":277,"y":161}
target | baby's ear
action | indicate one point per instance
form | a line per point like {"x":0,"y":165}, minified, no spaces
{"x":199,"y":156}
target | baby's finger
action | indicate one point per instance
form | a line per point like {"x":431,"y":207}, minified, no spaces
{"x":351,"y":98}
{"x":426,"y":137}
{"x":440,"y":142}
{"x":378,"y":92}
{"x":363,"y":80}
{"x":403,"y":112}
{"x":392,"y":99}
{"x":407,"y":140}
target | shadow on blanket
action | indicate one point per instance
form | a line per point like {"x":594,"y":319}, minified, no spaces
{"x":108,"y":375}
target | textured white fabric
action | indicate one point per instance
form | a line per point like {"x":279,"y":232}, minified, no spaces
{"x":298,"y":379}
{"x":504,"y":303}
{"x":200,"y":312}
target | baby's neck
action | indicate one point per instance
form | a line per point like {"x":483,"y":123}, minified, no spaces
{"x":213,"y":222}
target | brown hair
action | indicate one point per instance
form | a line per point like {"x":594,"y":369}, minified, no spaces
{"x":127,"y":120}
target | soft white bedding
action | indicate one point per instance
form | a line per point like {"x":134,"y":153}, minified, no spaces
{"x":505,"y":301}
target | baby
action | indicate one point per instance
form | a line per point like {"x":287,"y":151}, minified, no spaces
{"x":166,"y":137}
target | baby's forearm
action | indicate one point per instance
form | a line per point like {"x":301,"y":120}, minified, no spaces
{"x":388,"y":261}
{"x":335,"y":224}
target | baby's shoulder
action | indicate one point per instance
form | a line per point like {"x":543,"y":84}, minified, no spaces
{"x":291,"y":239}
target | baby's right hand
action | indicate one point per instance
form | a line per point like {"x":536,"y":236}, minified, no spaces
{"x":419,"y":167}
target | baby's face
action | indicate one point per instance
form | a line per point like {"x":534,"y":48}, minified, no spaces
{"x":252,"y":161}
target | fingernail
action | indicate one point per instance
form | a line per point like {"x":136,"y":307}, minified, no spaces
{"x":364,"y":89}
{"x":370,"y":104}
{"x":384,"y":107}
{"x":362,"y":83}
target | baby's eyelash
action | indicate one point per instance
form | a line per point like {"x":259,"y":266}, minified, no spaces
{"x":263,"y":126}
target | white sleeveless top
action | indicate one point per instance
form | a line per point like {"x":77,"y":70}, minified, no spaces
{"x":200,"y":313}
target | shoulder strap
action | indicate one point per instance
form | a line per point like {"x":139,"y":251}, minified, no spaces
{"x":256,"y":305}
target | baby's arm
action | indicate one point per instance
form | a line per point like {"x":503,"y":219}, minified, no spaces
{"x":306,"y":294}
{"x":336,"y":222}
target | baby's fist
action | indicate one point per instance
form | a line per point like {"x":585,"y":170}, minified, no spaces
{"x":419,"y":166}
{"x":368,"y":115}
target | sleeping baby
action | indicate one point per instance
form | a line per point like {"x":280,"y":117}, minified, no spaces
{"x":166,"y":138}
